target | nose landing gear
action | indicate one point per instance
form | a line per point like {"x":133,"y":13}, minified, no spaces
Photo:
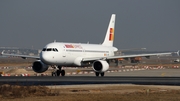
{"x":57,"y":71}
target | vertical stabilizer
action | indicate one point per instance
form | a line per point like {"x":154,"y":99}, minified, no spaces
{"x":109,"y":38}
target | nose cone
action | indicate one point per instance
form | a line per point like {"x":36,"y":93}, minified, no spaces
{"x":44,"y":57}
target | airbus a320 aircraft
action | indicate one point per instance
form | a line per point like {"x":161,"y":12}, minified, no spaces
{"x":60,"y":54}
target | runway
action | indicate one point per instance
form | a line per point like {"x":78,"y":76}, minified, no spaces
{"x":74,"y":80}
{"x":163,"y":76}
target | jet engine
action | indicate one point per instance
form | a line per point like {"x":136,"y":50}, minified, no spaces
{"x":39,"y":66}
{"x":100,"y":66}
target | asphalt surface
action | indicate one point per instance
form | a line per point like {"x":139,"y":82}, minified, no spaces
{"x":142,"y":77}
{"x":162,"y":76}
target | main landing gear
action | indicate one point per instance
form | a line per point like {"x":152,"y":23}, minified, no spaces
{"x":97,"y":73}
{"x":57,"y":71}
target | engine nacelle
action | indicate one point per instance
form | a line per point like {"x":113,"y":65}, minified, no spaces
{"x":100,"y":66}
{"x":39,"y":66}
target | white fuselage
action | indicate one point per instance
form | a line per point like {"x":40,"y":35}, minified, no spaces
{"x":69,"y":54}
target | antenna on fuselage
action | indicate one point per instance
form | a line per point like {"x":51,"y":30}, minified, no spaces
{"x":54,"y":41}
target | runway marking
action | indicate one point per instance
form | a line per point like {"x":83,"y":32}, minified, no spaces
{"x":163,"y":74}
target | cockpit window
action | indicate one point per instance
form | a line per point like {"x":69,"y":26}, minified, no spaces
{"x":50,"y":49}
{"x":56,"y":49}
{"x":44,"y":49}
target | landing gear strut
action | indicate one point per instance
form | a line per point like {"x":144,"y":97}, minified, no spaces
{"x":57,"y":71}
{"x":97,"y":73}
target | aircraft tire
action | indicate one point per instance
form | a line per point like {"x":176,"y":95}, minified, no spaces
{"x":97,"y":74}
{"x":102,"y":74}
{"x":58,"y":72}
{"x":53,"y":74}
{"x":62,"y":72}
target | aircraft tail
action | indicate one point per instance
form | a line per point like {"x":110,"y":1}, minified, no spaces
{"x":109,"y":38}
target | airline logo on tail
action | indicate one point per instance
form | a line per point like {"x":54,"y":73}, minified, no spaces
{"x":111,"y":35}
{"x":109,"y":38}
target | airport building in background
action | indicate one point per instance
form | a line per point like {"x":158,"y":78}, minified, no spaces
{"x":22,"y":51}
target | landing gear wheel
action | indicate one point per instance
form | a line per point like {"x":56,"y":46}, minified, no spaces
{"x":63,"y":73}
{"x":102,"y":74}
{"x":58,"y":72}
{"x":97,"y":73}
{"x":53,"y":73}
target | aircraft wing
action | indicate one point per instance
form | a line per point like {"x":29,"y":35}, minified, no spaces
{"x":125,"y":56}
{"x":132,"y":49}
{"x":22,"y":56}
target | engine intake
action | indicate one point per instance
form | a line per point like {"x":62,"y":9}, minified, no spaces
{"x":39,"y":66}
{"x":100,"y":66}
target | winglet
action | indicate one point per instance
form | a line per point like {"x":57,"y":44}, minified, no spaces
{"x":2,"y":52}
{"x":177,"y":52}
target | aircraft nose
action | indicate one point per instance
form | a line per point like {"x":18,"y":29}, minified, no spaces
{"x":44,"y":57}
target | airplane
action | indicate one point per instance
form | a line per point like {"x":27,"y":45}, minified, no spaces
{"x":63,"y":54}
